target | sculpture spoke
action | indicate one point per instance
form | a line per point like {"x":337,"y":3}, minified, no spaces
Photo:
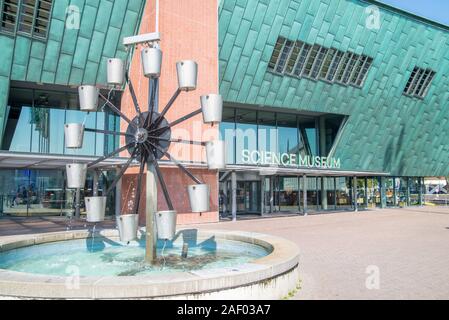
{"x":121,"y":173}
{"x":109,"y":132}
{"x":167,"y":107}
{"x":163,"y":185}
{"x":152,"y":88}
{"x":179,"y":164}
{"x":113,"y":153}
{"x":191,"y":142}
{"x":133,"y":96}
{"x":176,"y":122}
{"x":116,"y":110}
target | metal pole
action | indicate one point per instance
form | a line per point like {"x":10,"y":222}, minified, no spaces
{"x":366,"y":193}
{"x":262,"y":195}
{"x":118,"y":195}
{"x":95,"y":183}
{"x":151,"y":208}
{"x":323,"y":194}
{"x":304,"y":193}
{"x":234,"y":195}
{"x":78,"y":203}
{"x":354,"y":193}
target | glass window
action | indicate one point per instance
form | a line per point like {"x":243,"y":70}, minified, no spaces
{"x":302,"y":59}
{"x":18,"y":140}
{"x":343,"y":187}
{"x":227,"y":133}
{"x":293,"y":57}
{"x":334,"y":66}
{"x":289,"y":194}
{"x":276,"y":52}
{"x":309,"y":132}
{"x":284,"y":56}
{"x":288,"y":134}
{"x":89,"y":120}
{"x":246,"y":133}
{"x":318,"y":63}
{"x":267,"y":132}
{"x":311,"y":60}
{"x":327,"y":63}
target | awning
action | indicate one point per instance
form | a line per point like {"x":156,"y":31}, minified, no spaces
{"x":271,"y":171}
{"x":22,"y":161}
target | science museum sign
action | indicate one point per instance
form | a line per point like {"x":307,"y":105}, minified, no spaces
{"x":261,"y":158}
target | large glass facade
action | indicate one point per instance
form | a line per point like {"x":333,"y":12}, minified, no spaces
{"x":248,"y":130}
{"x":36,"y":124}
{"x":28,"y":193}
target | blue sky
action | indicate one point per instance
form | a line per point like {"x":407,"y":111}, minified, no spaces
{"x":437,"y":10}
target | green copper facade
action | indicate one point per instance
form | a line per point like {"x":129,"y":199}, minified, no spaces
{"x":386,"y":131}
{"x":69,"y":56}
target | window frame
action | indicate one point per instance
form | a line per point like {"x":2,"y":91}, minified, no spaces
{"x":18,"y":22}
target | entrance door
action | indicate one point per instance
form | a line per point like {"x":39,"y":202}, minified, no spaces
{"x":248,"y":197}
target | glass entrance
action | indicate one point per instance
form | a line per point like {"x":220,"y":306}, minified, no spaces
{"x":248,"y":197}
{"x":288,"y":194}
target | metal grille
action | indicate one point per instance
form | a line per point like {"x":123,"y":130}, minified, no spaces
{"x":419,"y":82}
{"x":30,"y":17}
{"x":299,"y":59}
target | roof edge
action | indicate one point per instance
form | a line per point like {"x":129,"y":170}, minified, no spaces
{"x":414,"y":16}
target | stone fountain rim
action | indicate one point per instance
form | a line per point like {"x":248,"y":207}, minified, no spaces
{"x":284,"y":258}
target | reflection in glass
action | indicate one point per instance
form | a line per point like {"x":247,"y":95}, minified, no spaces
{"x":288,"y":194}
{"x":246,"y":133}
{"x":267,"y":132}
{"x":343,"y":192}
{"x":227,"y":134}
{"x":288,"y":134}
{"x":41,"y":130}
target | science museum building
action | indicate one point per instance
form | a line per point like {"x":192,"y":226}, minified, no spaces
{"x":328,"y":104}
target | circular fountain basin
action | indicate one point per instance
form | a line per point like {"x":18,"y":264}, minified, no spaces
{"x":82,"y":265}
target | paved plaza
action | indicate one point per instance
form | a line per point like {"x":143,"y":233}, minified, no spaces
{"x":408,"y":249}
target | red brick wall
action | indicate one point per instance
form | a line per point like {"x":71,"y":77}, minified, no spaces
{"x":188,"y":32}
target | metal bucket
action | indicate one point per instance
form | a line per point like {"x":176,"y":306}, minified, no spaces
{"x":199,"y":196}
{"x":76,"y":175}
{"x":95,"y":208}
{"x":88,"y":96}
{"x":212,"y":107}
{"x":166,"y":224}
{"x":151,"y":62}
{"x":116,"y":71}
{"x":187,"y":75}
{"x":215,"y":152}
{"x":74,"y":134}
{"x":128,"y":225}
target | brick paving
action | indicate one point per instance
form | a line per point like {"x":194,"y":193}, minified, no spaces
{"x":409,"y":246}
